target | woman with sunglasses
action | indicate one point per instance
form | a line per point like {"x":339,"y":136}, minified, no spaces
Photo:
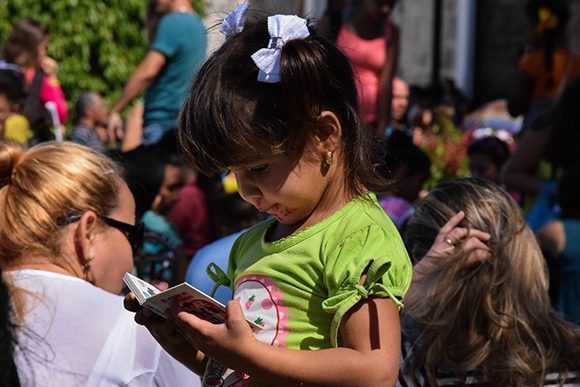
{"x":67,"y":236}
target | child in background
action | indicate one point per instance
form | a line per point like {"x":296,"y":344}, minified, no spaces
{"x":487,"y":155}
{"x":26,"y":46}
{"x":13,"y":126}
{"x":325,"y":275}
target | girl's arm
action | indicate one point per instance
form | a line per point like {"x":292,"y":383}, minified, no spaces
{"x":386,"y":81}
{"x":369,"y":356}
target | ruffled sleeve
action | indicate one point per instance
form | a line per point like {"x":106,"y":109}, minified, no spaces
{"x":378,"y":252}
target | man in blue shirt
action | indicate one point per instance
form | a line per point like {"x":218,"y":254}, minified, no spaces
{"x":176,"y":52}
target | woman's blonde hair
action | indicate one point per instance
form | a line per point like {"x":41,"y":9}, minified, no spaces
{"x":492,"y":320}
{"x":43,"y":186}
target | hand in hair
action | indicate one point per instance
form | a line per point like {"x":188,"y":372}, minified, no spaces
{"x":452,"y":239}
{"x":166,"y":333}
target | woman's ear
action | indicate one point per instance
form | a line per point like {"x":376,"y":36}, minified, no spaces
{"x":328,"y":132}
{"x":85,"y":237}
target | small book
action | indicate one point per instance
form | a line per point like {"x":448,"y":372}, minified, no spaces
{"x":189,"y":298}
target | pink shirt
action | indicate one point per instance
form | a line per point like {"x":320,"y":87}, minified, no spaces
{"x":50,"y":91}
{"x":368,"y":57}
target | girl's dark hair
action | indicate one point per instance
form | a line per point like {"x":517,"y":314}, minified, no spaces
{"x":493,"y":147}
{"x":21,"y":46}
{"x":230,"y":118}
{"x":12,"y":86}
{"x":550,"y":35}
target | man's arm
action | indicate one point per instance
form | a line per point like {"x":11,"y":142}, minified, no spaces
{"x":147,"y":70}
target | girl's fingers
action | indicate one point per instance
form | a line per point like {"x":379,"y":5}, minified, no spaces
{"x":163,"y":330}
{"x":143,"y":316}
{"x":234,"y":313}
{"x":130,"y":303}
{"x":187,"y":322}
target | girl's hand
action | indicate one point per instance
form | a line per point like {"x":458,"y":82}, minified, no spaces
{"x":452,"y":237}
{"x":225,"y":343}
{"x":165,"y":332}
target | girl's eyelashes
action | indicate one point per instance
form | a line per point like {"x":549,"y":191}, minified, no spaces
{"x":258,"y":168}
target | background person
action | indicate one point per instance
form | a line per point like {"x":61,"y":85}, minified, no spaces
{"x":91,"y":122}
{"x":26,"y":46}
{"x":13,"y":126}
{"x":67,"y":236}
{"x":176,"y":51}
{"x":548,"y":64}
{"x":478,"y":310}
{"x":371,"y":41}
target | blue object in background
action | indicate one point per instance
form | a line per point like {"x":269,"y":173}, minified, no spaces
{"x":217,"y":252}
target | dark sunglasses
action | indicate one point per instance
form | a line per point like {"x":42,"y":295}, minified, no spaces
{"x":134,"y":233}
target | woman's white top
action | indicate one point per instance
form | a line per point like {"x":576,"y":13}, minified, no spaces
{"x":76,"y":334}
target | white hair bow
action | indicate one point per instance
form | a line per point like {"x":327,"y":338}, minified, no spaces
{"x":234,"y":21}
{"x":282,"y":29}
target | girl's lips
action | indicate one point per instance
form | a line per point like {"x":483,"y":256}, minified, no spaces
{"x":273,"y":210}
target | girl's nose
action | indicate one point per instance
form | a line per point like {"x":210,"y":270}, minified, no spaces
{"x":248,"y":189}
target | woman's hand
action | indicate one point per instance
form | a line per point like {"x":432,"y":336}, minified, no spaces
{"x":452,"y":237}
{"x":448,"y":240}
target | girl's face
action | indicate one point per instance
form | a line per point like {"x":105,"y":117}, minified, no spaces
{"x":482,"y":166}
{"x":289,"y":189}
{"x":377,"y":10}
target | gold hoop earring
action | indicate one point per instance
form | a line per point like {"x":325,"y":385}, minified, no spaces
{"x":329,"y":158}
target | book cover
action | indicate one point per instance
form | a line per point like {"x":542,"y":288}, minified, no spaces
{"x":189,"y":298}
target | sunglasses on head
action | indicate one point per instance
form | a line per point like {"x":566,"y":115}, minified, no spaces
{"x":133,"y":232}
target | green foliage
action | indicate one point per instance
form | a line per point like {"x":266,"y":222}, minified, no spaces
{"x":446,"y":146}
{"x":97,"y":43}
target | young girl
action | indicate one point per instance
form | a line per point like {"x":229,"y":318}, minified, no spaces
{"x":277,"y":106}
